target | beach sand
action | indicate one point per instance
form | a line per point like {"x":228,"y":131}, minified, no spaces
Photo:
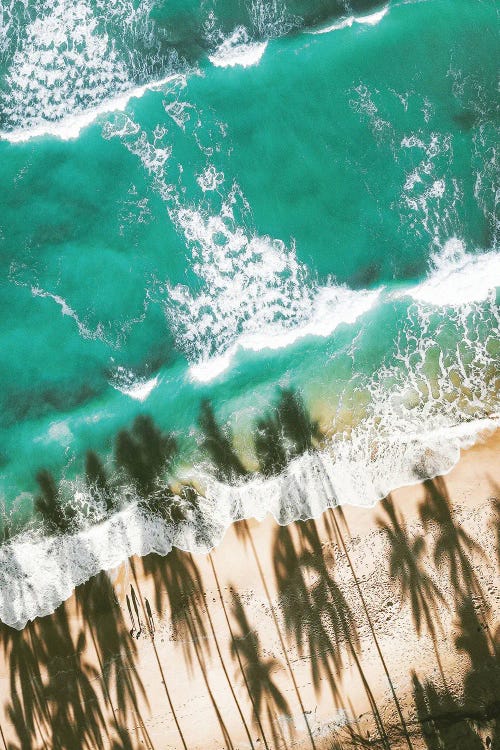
{"x":333,"y":633}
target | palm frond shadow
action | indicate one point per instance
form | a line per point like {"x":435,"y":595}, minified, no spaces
{"x":267,"y":699}
{"x":56,"y":692}
{"x":57,"y":517}
{"x":481,"y":684}
{"x":177,"y":581}
{"x":336,"y":527}
{"x":407,"y":567}
{"x":97,"y":481}
{"x":28,"y":709}
{"x":453,"y":546}
{"x":316,"y":612}
{"x":102,"y":620}
{"x":145,"y":453}
{"x":301,"y":608}
{"x":178,"y":584}
{"x":454,"y":721}
{"x":218,"y":444}
{"x":284,"y":432}
{"x":53,"y":697}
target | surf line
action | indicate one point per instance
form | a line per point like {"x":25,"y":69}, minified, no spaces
{"x":70,"y":127}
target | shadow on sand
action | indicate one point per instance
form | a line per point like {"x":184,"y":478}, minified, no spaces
{"x":74,"y":679}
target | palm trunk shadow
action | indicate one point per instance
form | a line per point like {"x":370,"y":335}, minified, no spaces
{"x":335,"y":533}
{"x":406,"y":566}
{"x":116,"y":652}
{"x":316,"y":611}
{"x":214,"y":635}
{"x":247,"y":533}
{"x":291,"y":419}
{"x":257,"y":671}
{"x":158,"y":662}
{"x":178,"y":581}
{"x":232,"y":636}
{"x":453,"y":545}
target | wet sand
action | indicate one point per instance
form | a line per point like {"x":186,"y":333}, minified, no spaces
{"x":365,"y":628}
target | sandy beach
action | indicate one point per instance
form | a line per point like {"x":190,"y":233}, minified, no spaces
{"x":363,"y":628}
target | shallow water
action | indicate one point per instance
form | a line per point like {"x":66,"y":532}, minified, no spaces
{"x":218,"y":200}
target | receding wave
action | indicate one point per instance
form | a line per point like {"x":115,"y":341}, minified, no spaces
{"x":238,"y":50}
{"x":37,"y":574}
{"x":69,"y":126}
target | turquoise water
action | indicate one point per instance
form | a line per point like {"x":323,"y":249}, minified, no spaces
{"x":215,"y":200}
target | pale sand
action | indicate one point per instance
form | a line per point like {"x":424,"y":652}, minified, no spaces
{"x":202,"y":676}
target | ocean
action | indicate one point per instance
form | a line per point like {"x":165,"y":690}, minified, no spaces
{"x":208,"y":208}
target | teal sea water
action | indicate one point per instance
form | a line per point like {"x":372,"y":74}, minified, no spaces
{"x":218,"y":200}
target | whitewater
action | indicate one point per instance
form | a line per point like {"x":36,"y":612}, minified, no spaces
{"x":219,"y":208}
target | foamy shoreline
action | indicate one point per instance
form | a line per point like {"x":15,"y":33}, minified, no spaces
{"x":38,"y":575}
{"x":164,"y":654}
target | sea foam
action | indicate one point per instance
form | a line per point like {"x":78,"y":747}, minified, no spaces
{"x":137,"y":388}
{"x":73,"y":62}
{"x":458,"y":277}
{"x":70,"y":126}
{"x":38,"y":574}
{"x":371,"y":20}
{"x":331,"y":307}
{"x":237,"y":49}
{"x":414,"y":426}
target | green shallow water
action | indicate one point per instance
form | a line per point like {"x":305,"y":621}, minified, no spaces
{"x":218,"y":209}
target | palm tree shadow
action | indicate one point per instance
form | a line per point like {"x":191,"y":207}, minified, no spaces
{"x":53,"y":698}
{"x":453,"y":545}
{"x":56,"y":689}
{"x":102,"y":620}
{"x":317,"y":613}
{"x":28,"y":709}
{"x":97,"y":481}
{"x":442,"y":719}
{"x":284,"y":433}
{"x":145,"y":452}
{"x":301,"y":608}
{"x":218,"y":444}
{"x":243,"y":531}
{"x":481,"y":687}
{"x":267,"y":699}
{"x":336,"y":526}
{"x":77,"y":719}
{"x":177,"y":582}
{"x":407,"y":568}
{"x":57,"y":517}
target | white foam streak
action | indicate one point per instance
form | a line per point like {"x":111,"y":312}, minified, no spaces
{"x":332,"y":307}
{"x":458,"y":278}
{"x":38,"y":574}
{"x":238,"y":50}
{"x":136,"y":387}
{"x":209,"y":369}
{"x":371,"y":20}
{"x":70,"y":127}
{"x":344,"y":24}
{"x":68,"y":311}
{"x":140,"y":390}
